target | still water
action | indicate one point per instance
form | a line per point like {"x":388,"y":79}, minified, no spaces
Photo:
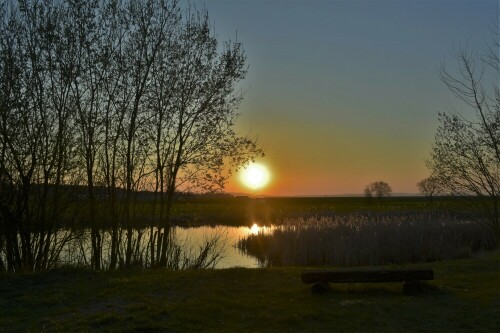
{"x":233,"y":257}
{"x":77,"y":248}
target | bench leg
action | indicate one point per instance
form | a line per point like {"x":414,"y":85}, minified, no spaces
{"x":320,"y":288}
{"x":413,"y":287}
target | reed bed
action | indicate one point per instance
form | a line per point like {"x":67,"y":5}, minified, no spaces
{"x":368,"y":239}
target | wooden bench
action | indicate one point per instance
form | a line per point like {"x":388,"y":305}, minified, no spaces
{"x":409,"y":276}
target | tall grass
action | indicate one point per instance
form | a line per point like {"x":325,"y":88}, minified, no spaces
{"x":375,"y":239}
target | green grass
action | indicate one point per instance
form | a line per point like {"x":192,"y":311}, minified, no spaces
{"x":246,"y":211}
{"x":464,"y":297}
{"x":268,"y":210}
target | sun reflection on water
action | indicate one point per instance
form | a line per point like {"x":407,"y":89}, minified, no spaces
{"x":256,"y":229}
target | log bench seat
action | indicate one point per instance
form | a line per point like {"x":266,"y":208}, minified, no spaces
{"x":410,"y":277}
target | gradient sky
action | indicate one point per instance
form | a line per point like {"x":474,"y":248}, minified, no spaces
{"x":343,"y":93}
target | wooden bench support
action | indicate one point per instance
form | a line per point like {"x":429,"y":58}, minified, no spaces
{"x":320,"y":288}
{"x":410,"y":276}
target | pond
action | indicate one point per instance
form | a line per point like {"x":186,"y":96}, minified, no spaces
{"x":348,"y":240}
{"x":186,"y":248}
{"x":233,"y":257}
{"x":76,"y":250}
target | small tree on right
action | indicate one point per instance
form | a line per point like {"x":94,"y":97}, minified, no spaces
{"x":378,"y":189}
{"x":429,"y":187}
{"x":465,"y":158}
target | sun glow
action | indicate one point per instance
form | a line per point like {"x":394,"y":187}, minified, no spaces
{"x":255,"y":176}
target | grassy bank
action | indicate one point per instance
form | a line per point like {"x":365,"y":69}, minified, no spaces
{"x":465,"y":297}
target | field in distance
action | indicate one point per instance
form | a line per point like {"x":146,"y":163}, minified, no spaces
{"x":245,"y":211}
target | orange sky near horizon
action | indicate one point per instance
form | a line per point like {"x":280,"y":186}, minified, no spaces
{"x":298,"y":181}
{"x":322,"y":159}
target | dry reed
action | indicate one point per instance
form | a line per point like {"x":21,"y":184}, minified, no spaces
{"x":357,"y":239}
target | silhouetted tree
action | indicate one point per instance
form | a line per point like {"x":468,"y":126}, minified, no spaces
{"x":465,"y":157}
{"x":91,"y":66}
{"x":429,"y":187}
{"x":377,"y":189}
{"x":37,"y":65}
{"x":194,"y":104}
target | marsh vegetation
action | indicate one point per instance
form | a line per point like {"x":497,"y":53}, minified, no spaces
{"x":368,"y":239}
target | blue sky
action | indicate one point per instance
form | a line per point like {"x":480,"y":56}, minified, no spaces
{"x":343,"y":93}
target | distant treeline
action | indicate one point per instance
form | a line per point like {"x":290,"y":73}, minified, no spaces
{"x":81,"y":193}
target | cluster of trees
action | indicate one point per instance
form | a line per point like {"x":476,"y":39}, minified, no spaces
{"x":465,"y":158}
{"x":128,"y":95}
{"x":377,"y":189}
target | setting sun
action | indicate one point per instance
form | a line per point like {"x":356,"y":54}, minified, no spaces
{"x":255,"y":176}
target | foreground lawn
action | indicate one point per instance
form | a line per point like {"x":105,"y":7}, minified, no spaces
{"x":465,"y":297}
